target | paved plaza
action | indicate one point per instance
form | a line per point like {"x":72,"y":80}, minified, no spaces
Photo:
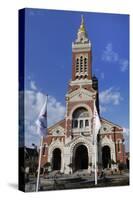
{"x":76,"y":181}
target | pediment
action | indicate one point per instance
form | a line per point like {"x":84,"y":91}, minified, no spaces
{"x":81,"y":94}
{"x":108,"y":126}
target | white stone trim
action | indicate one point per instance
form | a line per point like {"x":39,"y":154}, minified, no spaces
{"x":80,"y":82}
{"x":81,"y":47}
{"x":82,"y":141}
{"x":60,"y":145}
{"x":79,"y":91}
{"x":108,"y":142}
{"x":78,"y":142}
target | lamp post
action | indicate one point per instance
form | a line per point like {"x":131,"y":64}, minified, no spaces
{"x":114,"y":130}
{"x":123,"y":149}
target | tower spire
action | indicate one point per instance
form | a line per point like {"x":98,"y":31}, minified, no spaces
{"x":81,"y":49}
{"x":82,"y":36}
{"x":82,"y":25}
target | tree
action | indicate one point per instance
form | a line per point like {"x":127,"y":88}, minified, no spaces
{"x":121,"y":166}
{"x":46,"y":166}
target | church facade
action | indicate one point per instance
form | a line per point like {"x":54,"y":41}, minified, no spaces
{"x":69,"y":145}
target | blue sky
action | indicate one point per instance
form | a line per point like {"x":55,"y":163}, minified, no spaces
{"x":49,"y":36}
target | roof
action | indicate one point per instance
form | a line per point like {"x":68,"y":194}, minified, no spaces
{"x":111,"y":123}
{"x":60,"y":123}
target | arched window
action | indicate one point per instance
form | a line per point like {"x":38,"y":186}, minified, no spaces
{"x":86,"y":123}
{"x":85,"y":76}
{"x":80,"y":118}
{"x":75,"y":123}
{"x":80,"y":113}
{"x":81,"y":63}
{"x":119,"y":146}
{"x":85,"y":64}
{"x":77,"y":65}
{"x":81,"y":66}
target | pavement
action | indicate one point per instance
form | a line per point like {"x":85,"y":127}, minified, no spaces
{"x":76,"y":181}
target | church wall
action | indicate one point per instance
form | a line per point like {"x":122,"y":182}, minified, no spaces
{"x":81,"y":94}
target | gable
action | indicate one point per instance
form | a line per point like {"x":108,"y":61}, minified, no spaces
{"x":108,"y":127}
{"x":80,"y":94}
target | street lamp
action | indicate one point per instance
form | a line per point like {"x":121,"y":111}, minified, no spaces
{"x":123,"y":149}
{"x":114,"y":130}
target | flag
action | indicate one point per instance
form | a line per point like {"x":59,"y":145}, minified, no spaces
{"x":42,"y":120}
{"x":96,"y":122}
{"x":96,"y":128}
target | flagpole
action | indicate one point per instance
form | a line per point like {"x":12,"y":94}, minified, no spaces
{"x":41,"y":130}
{"x":95,"y":148}
{"x":95,"y":162}
{"x":39,"y":165}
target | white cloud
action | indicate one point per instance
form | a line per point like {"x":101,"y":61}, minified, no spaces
{"x":110,"y":96}
{"x":103,"y":109}
{"x":33,"y":85}
{"x":34,"y":101}
{"x":56,"y":111}
{"x":126,"y":137}
{"x":126,"y":131}
{"x":123,"y":65}
{"x":110,"y":56}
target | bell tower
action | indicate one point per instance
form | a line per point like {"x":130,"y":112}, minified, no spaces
{"x":81,"y":55}
{"x":81,"y":91}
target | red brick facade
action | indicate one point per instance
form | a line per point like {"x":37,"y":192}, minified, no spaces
{"x":74,"y":54}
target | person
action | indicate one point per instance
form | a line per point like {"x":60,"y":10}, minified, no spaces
{"x":102,"y":174}
{"x":27,"y":174}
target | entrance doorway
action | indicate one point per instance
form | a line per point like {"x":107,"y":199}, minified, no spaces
{"x":56,"y":159}
{"x":81,"y":158}
{"x":106,"y":157}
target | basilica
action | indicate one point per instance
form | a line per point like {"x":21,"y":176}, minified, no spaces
{"x":68,"y":146}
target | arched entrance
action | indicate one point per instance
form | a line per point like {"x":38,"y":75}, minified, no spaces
{"x":106,"y":157}
{"x":56,"y":160}
{"x":81,"y":158}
